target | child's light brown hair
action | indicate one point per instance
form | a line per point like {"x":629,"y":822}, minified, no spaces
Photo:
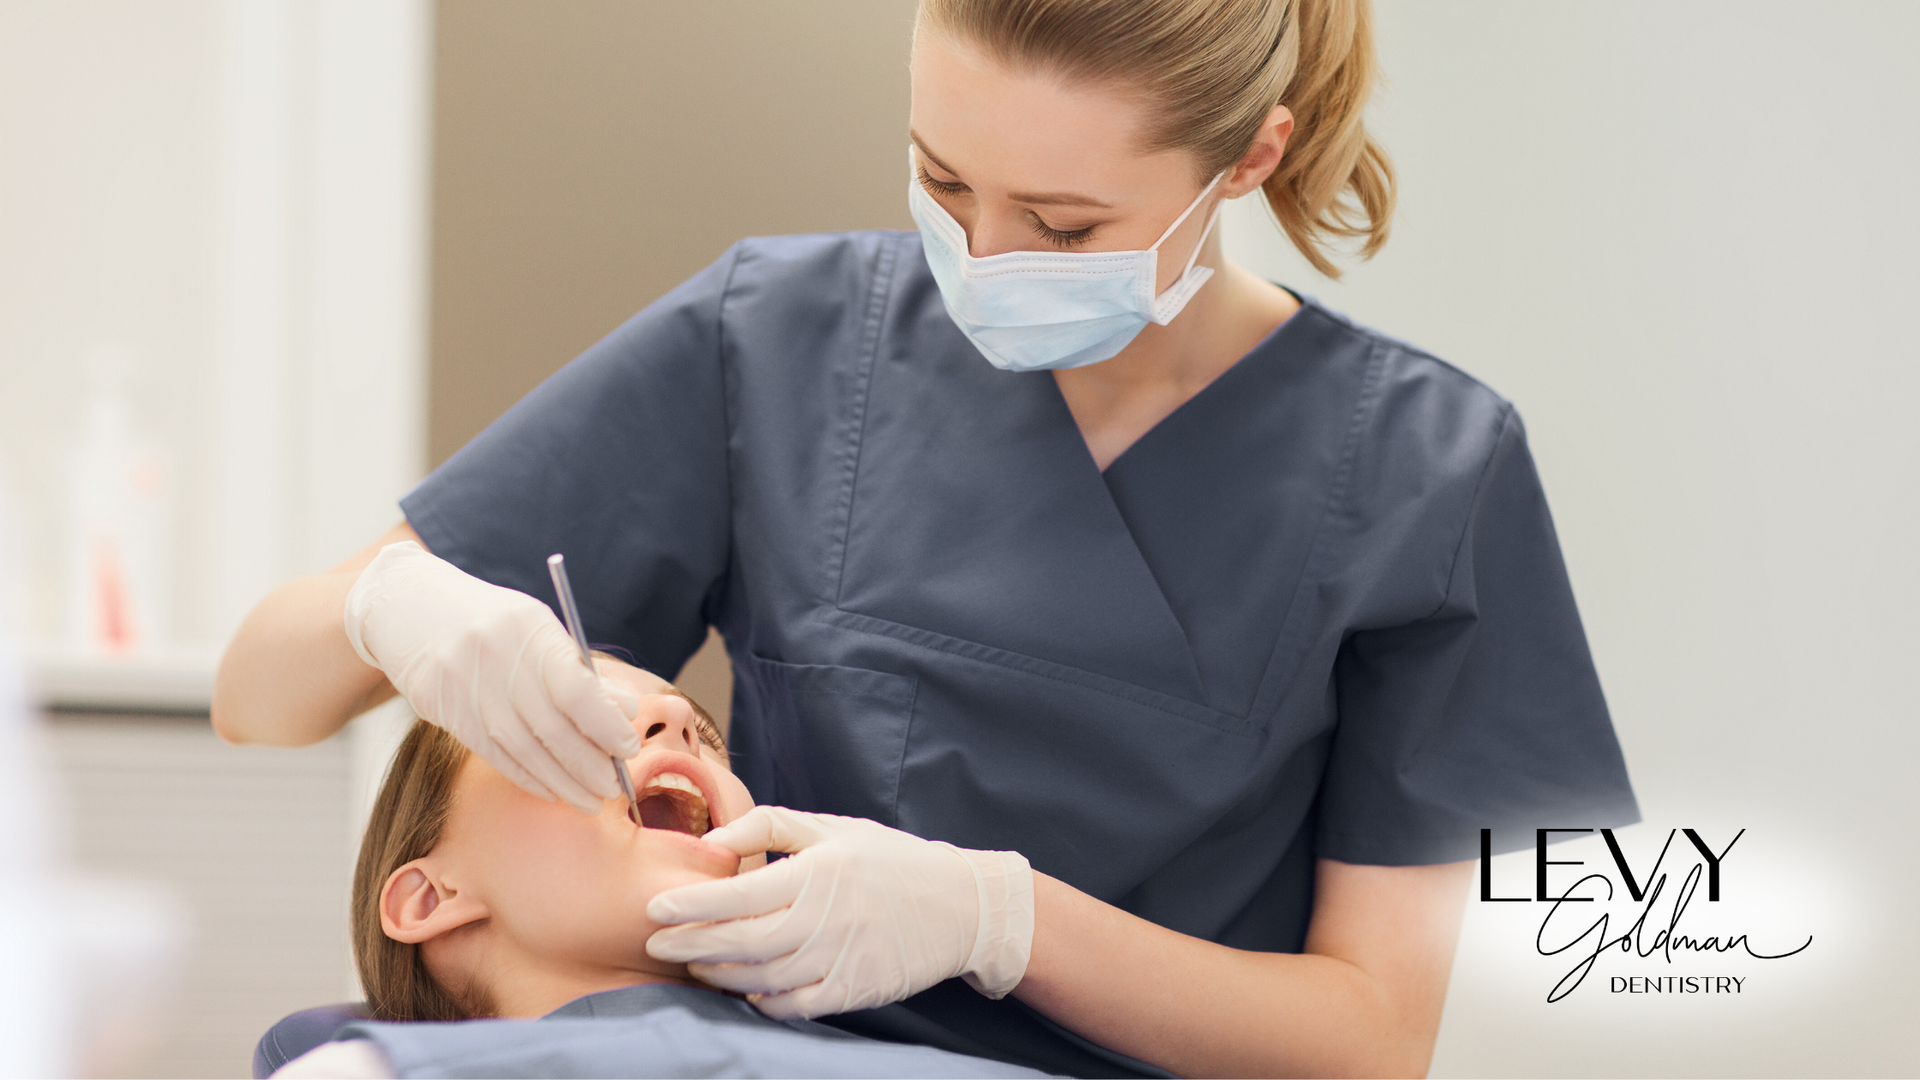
{"x":408,"y":818}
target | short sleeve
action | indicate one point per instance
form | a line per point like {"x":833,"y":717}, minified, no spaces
{"x":1486,"y":713}
{"x":619,"y":462}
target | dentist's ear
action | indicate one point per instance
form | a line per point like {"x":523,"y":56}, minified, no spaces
{"x":417,"y":904}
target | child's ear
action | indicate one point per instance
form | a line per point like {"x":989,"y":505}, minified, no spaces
{"x":417,"y":904}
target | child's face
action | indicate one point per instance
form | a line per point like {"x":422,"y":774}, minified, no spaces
{"x":572,"y":891}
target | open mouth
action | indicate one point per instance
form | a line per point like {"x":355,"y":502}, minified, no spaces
{"x":673,"y":802}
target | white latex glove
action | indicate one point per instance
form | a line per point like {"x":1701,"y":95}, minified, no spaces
{"x":496,"y":669}
{"x":858,"y":916}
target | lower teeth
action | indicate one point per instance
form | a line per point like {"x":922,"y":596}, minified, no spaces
{"x":673,"y":812}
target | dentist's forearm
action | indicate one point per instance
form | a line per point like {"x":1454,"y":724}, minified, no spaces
{"x":289,"y":676}
{"x":1196,"y":1008}
{"x":1200,"y":1009}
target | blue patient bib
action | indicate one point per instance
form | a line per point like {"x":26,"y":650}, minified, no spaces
{"x":660,"y":1030}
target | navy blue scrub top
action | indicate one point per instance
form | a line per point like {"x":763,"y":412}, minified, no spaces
{"x":1318,"y":611}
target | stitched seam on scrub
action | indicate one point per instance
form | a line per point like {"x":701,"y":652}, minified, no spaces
{"x":1507,"y":414}
{"x":854,"y":430}
{"x":728,"y":390}
{"x":900,"y":766}
{"x":1046,"y":669}
{"x":1404,"y":762}
{"x":1333,"y":509}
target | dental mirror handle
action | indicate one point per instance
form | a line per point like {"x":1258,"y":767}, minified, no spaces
{"x":570,"y":614}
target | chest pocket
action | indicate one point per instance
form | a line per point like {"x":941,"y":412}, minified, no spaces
{"x":834,"y":737}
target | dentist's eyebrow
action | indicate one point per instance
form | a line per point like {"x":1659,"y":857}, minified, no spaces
{"x":1055,"y":198}
{"x":928,"y":154}
{"x":1063,"y":198}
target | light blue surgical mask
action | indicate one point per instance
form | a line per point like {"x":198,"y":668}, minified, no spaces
{"x":1038,"y":310}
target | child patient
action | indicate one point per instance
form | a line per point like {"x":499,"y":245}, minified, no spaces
{"x":476,"y":902}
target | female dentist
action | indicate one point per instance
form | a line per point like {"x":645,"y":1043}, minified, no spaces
{"x":1045,"y":530}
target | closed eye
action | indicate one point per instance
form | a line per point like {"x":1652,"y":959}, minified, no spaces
{"x":941,"y":187}
{"x":710,"y":735}
{"x":1065,"y":238}
{"x":1072,"y":238}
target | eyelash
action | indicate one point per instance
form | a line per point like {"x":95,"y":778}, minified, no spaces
{"x":951,"y":189}
{"x":940,"y":187}
{"x":1063,"y":239}
{"x":711,"y":735}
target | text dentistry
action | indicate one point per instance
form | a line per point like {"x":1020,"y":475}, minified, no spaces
{"x":1676,"y":984}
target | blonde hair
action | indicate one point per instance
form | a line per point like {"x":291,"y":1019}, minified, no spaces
{"x":1210,"y":71}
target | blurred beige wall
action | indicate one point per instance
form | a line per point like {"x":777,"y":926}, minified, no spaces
{"x":589,"y":156}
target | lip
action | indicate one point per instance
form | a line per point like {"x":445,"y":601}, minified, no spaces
{"x":651,"y":763}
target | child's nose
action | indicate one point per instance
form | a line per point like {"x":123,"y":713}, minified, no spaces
{"x":667,"y":720}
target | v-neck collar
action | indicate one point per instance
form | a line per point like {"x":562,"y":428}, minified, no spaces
{"x":1225,"y":496}
{"x":975,"y":514}
{"x":1249,"y":358}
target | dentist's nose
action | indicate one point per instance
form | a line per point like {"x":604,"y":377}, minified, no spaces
{"x":997,"y":233}
{"x":667,"y":721}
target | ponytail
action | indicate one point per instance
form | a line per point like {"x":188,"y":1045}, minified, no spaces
{"x":1334,"y":181}
{"x":1213,"y":70}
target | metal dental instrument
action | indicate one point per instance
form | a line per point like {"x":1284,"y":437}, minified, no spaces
{"x":570,"y":613}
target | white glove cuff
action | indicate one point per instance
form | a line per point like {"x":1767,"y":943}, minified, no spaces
{"x":366,"y":589}
{"x":1005,"y":942}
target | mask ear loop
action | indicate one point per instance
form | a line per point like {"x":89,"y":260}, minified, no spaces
{"x":1202,"y":242}
{"x":1188,"y":212}
{"x":1169,"y":303}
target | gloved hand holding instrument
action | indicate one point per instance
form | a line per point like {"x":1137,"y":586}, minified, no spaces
{"x":497,"y":670}
{"x":857,"y":915}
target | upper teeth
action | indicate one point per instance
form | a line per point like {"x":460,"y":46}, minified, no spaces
{"x":678,"y":783}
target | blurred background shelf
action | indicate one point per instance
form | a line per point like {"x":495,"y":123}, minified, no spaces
{"x":178,"y":683}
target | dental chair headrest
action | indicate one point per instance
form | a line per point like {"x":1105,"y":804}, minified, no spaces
{"x":300,"y":1033}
